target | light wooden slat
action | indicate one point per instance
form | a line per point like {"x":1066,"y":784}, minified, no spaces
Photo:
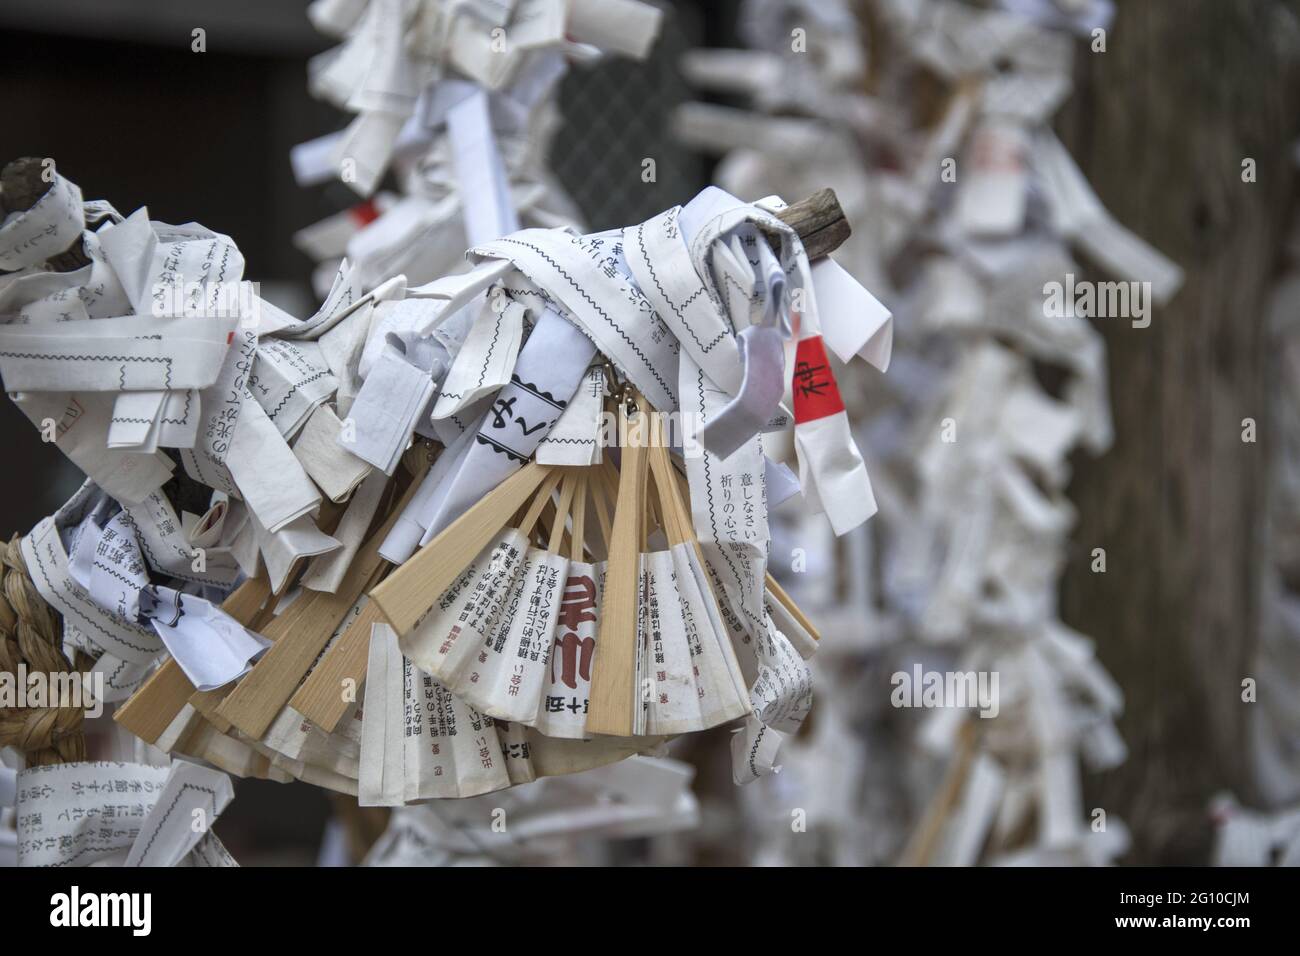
{"x":301,"y":633}
{"x":407,"y":594}
{"x":153,"y":707}
{"x":613,"y":696}
{"x":320,"y":698}
{"x":778,"y":592}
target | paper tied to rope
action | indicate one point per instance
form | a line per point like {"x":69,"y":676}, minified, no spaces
{"x":659,"y":259}
{"x":484,"y":185}
{"x":831,"y":471}
{"x":124,"y":814}
{"x":107,"y":630}
{"x":174,"y":273}
{"x":171,"y":548}
{"x":728,"y":283}
{"x":289,"y":380}
{"x":132,"y":353}
{"x":114,"y":382}
{"x":373,"y":75}
{"x":577,"y":438}
{"x":266,"y":472}
{"x":1080,"y":216}
{"x":220,"y":406}
{"x":93,"y":291}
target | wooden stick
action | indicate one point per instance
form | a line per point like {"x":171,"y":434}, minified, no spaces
{"x":321,"y":697}
{"x":666,"y":489}
{"x":613,"y":691}
{"x":778,"y":592}
{"x":820,"y":222}
{"x":921,"y":845}
{"x":299,"y":638}
{"x":534,"y":512}
{"x":406,"y":595}
{"x":561,"y":516}
{"x":578,"y":540}
{"x":149,"y":712}
{"x":598,"y":501}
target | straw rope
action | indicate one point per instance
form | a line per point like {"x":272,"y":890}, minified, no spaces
{"x":30,"y":634}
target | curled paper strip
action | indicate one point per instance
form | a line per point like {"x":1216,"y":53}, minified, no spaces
{"x":211,"y":647}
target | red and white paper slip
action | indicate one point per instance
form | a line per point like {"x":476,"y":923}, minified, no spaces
{"x":831,"y":470}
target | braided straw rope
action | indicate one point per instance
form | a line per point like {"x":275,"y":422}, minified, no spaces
{"x":29,"y":634}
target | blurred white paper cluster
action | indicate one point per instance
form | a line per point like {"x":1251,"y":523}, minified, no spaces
{"x":458,"y":100}
{"x":555,"y":821}
{"x":932,"y":121}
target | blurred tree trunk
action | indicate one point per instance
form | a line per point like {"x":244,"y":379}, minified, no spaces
{"x":1161,"y":123}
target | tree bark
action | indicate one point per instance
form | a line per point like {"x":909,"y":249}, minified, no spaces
{"x":1161,"y":123}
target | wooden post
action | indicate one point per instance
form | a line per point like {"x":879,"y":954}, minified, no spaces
{"x":1161,"y":122}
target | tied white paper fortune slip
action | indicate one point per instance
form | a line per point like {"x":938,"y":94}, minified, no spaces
{"x":486,"y":357}
{"x":420,"y":742}
{"x":80,"y":814}
{"x":289,"y":380}
{"x":132,"y":353}
{"x":577,"y":436}
{"x":831,"y":471}
{"x":182,"y":816}
{"x":397,"y":389}
{"x":583,"y":275}
{"x":455,"y":114}
{"x":210,"y":647}
{"x":270,"y":479}
{"x":326,"y":459}
{"x":107,"y":629}
{"x":48,"y":227}
{"x":547,"y":374}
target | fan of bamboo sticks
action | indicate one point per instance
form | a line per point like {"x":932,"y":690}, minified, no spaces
{"x":571,"y":625}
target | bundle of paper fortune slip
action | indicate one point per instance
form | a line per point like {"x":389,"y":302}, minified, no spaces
{"x":569,"y":605}
{"x":420,"y":569}
{"x":318,"y":652}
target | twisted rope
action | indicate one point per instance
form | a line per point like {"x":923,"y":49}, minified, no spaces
{"x":30,"y":634}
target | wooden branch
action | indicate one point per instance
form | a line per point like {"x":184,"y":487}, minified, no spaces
{"x":820,"y":222}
